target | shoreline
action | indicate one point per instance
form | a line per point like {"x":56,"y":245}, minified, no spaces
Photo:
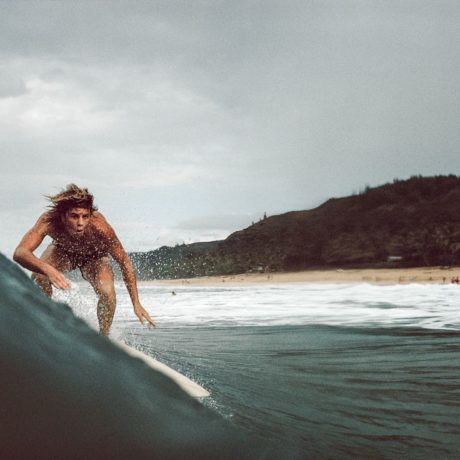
{"x":379,"y":276}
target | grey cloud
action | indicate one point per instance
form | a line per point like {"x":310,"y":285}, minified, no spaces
{"x":228,"y":222}
{"x":226,"y":107}
{"x":11,"y":85}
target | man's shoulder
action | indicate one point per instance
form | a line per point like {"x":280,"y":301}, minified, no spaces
{"x":43,"y":225}
{"x":101,"y":225}
{"x":45,"y":221}
{"x":99,"y":220}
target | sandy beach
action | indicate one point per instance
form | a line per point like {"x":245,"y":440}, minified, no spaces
{"x":373,"y":276}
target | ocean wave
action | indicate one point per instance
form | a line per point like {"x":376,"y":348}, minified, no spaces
{"x":67,"y":392}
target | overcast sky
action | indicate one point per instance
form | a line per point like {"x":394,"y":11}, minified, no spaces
{"x":190,"y":119}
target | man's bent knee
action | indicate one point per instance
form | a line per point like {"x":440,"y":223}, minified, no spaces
{"x":107,"y":296}
{"x":43,"y":283}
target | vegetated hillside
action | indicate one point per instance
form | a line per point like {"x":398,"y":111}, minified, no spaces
{"x":415,"y":222}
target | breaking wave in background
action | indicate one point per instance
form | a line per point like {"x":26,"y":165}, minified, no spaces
{"x":430,"y":306}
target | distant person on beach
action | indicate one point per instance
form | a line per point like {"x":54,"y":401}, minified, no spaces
{"x":83,"y":239}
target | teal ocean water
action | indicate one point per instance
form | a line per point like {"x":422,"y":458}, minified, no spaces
{"x":69,"y":393}
{"x":340,"y":371}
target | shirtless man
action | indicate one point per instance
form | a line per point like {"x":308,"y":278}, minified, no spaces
{"x":83,"y":239}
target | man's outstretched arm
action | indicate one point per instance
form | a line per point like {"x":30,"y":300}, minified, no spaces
{"x":129,"y":277}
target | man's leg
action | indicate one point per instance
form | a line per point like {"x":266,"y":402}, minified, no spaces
{"x":99,"y":273}
{"x":52,"y":256}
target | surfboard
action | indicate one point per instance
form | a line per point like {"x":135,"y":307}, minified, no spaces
{"x":189,"y":386}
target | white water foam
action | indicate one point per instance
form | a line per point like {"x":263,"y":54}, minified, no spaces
{"x":431,"y":306}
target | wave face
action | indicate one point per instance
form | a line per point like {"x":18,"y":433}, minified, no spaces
{"x":67,"y":392}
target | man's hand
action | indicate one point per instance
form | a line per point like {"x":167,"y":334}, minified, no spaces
{"x":142,"y":314}
{"x":57,"y":279}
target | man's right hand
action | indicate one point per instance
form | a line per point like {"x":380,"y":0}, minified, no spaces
{"x":57,"y":279}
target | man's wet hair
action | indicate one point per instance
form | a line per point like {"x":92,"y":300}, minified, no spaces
{"x":71,"y":197}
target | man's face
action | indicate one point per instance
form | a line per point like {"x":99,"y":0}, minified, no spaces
{"x":76,"y":220}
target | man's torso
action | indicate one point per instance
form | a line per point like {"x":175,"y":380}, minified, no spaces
{"x":93,"y":244}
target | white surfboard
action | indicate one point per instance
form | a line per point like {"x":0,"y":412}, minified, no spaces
{"x":189,"y":386}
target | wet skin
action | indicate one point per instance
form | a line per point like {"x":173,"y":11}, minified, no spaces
{"x":83,"y":240}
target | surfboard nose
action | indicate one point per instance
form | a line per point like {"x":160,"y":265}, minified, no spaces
{"x":188,"y":385}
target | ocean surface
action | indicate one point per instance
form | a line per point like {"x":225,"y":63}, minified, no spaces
{"x":341,"y":371}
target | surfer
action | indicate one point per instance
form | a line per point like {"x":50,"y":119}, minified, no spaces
{"x":82,"y":238}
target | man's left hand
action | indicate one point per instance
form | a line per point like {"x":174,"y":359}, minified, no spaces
{"x":143,"y":315}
